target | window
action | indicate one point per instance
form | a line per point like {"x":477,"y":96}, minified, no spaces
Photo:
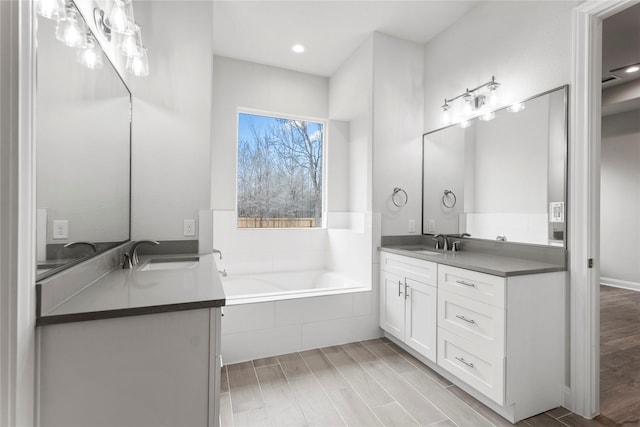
{"x":280,"y":163}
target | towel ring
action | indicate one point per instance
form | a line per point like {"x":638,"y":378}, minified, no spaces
{"x":447,"y":195}
{"x":399,"y":197}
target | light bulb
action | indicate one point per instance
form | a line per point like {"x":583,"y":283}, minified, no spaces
{"x":118,"y":19}
{"x":464,"y":124}
{"x":632,"y":69}
{"x":50,"y":9}
{"x":138,"y":65}
{"x":514,"y":108}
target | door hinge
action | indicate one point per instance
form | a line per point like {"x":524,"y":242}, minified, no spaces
{"x":590,"y":263}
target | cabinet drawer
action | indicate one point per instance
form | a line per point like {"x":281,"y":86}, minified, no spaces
{"x":480,"y":323}
{"x":484,"y":372}
{"x":471,"y":284}
{"x":420,"y":270}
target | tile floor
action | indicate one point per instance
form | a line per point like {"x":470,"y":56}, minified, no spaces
{"x":369,"y":383}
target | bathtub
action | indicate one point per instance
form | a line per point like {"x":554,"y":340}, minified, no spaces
{"x":274,"y":313}
{"x":275,"y":286}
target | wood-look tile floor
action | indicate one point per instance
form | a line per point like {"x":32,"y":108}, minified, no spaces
{"x":619,"y":356}
{"x":369,"y":383}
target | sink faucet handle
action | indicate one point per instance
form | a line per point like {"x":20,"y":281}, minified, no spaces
{"x":456,"y":246}
{"x":217,"y":251}
{"x":126,"y":263}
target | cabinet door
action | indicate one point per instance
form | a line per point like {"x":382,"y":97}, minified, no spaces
{"x":421,"y":317}
{"x":392,"y":303}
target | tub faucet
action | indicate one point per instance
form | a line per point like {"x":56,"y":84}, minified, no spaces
{"x":216,"y":251}
{"x":131,"y":257}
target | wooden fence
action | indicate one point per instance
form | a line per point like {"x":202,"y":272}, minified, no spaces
{"x":276,"y":222}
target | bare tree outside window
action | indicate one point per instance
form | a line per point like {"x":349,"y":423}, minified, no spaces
{"x":279,"y":172}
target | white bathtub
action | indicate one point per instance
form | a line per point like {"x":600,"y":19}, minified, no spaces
{"x":261,"y":287}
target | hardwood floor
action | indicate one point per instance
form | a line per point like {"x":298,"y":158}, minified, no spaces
{"x":619,"y":356}
{"x":369,"y":383}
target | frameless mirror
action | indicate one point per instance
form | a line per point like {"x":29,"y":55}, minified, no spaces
{"x":83,"y":134}
{"x":502,"y":179}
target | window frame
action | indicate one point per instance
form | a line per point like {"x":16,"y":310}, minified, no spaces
{"x":285,"y":116}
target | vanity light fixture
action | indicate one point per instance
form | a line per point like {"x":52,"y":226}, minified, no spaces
{"x":120,"y":17}
{"x":489,"y":115}
{"x":138,"y":65}
{"x":131,"y":43}
{"x":474,"y":103}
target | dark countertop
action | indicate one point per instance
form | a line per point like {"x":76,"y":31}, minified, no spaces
{"x":121,"y":293}
{"x":483,"y":263}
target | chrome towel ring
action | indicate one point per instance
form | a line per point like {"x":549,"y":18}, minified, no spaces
{"x":448,"y":195}
{"x":399,"y":197}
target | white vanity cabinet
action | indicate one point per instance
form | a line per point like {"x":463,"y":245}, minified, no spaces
{"x":500,"y":338}
{"x":408,"y":301}
{"x":159,"y":369}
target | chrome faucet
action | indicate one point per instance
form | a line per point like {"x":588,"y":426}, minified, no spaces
{"x":445,"y":241}
{"x":131,"y":257}
{"x":91,"y":244}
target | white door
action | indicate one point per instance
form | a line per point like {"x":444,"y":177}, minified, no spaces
{"x":392,"y":303}
{"x":421,"y":318}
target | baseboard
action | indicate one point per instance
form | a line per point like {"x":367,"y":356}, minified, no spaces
{"x":633,"y":286}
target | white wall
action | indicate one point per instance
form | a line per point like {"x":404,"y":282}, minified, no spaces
{"x":397,"y":131}
{"x":171,"y":132}
{"x":620,"y":200}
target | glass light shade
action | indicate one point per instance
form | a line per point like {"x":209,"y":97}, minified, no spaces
{"x":464,"y":124}
{"x":467,"y":109}
{"x":70,"y":31}
{"x":493,"y":98}
{"x":91,"y":55}
{"x":130,"y":46}
{"x":514,"y":108}
{"x":50,"y":9}
{"x":118,"y":19}
{"x":138,"y":65}
{"x":487,"y":116}
{"x":446,"y":116}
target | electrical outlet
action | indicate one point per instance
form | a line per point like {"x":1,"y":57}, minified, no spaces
{"x":60,"y":229}
{"x":412,"y":226}
{"x":431,"y":227}
{"x":189,"y":227}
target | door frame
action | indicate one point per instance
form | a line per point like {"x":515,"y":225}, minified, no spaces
{"x":583,"y":392}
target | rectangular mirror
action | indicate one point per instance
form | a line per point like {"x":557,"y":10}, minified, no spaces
{"x":502,"y":179}
{"x":83,"y":134}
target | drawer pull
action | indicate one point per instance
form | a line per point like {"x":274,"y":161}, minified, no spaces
{"x":462,"y":282}
{"x":461,"y":359}
{"x":399,"y":287}
{"x":465,"y":319}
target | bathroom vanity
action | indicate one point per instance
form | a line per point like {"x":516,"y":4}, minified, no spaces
{"x":134,"y":347}
{"x":492,"y":325}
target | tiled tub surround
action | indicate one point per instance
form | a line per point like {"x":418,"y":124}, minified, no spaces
{"x":341,"y":255}
{"x":130,"y":347}
{"x":493,"y":325}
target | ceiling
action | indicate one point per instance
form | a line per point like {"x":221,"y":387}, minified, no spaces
{"x":621,"y":44}
{"x":264,"y":31}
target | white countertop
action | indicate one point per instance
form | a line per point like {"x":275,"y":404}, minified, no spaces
{"x":484,"y":263}
{"x":129,"y":292}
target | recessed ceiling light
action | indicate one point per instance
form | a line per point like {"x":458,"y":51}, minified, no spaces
{"x":297,"y":48}
{"x":632,"y":69}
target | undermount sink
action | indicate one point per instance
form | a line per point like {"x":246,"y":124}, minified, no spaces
{"x":426,"y":252}
{"x":169,"y":264}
